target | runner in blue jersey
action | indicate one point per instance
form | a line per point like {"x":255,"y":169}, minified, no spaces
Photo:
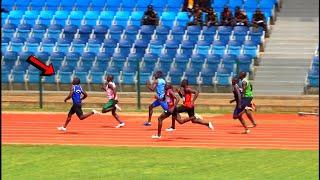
{"x":158,"y":85}
{"x":75,"y":93}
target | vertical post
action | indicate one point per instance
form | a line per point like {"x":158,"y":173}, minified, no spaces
{"x":138,"y":86}
{"x":40,"y":92}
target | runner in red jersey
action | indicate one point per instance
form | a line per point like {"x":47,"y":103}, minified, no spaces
{"x":186,"y":92}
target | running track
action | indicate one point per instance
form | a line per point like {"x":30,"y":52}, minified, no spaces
{"x":272,"y":132}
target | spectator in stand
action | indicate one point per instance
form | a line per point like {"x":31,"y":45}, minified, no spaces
{"x":237,"y":11}
{"x":258,"y":19}
{"x":241,"y":18}
{"x":226,"y":17}
{"x":212,"y":19}
{"x":188,"y":5}
{"x":150,"y":17}
{"x":196,"y":16}
{"x":205,"y":5}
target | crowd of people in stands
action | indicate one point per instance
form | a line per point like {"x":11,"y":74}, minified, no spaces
{"x":201,"y":13}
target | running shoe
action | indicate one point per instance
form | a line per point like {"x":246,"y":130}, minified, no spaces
{"x":147,"y":124}
{"x":155,"y":137}
{"x":211,"y":126}
{"x":120,"y":125}
{"x":170,"y":129}
{"x":62,"y":129}
{"x":247,"y":131}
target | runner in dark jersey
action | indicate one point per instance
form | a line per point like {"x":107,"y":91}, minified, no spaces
{"x":172,"y":102}
{"x":186,"y":92}
{"x":75,"y":93}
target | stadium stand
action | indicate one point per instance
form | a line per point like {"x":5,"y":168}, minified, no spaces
{"x":89,"y":38}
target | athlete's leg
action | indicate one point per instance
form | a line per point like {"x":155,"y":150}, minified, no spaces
{"x":249,"y":114}
{"x":115,"y":115}
{"x":150,"y":112}
{"x":67,"y":121}
{"x":243,"y":124}
{"x":162,"y":117}
{"x":82,"y":117}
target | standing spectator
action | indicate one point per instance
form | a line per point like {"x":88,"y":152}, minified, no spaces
{"x":212,"y":19}
{"x":150,"y":17}
{"x":188,"y":5}
{"x":205,"y":5}
{"x":226,"y":17}
{"x":258,"y":19}
{"x":196,"y":16}
{"x":241,"y":18}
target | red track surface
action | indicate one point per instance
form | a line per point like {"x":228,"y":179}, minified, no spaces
{"x":272,"y":132}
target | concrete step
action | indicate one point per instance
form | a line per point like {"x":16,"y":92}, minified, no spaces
{"x":277,"y":92}
{"x":286,"y":64}
{"x":279,"y":83}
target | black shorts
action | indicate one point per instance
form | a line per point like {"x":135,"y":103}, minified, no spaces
{"x":76,"y":108}
{"x":174,"y":113}
{"x":188,"y":110}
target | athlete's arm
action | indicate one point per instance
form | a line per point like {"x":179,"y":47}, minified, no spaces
{"x":70,"y":95}
{"x":179,"y":92}
{"x":153,"y":86}
{"x":85,"y":95}
{"x":244,"y":85}
{"x":239,"y":96}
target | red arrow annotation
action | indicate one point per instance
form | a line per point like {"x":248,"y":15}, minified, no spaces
{"x":46,"y":70}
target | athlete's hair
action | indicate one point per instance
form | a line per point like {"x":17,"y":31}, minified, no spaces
{"x":76,"y":81}
{"x":185,"y":82}
{"x":235,"y":80}
{"x":109,"y":76}
{"x":168,"y":86}
{"x":158,"y":74}
{"x":242,"y":74}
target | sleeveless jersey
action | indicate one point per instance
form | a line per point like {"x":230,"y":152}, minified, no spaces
{"x":76,"y":95}
{"x":235,"y":92}
{"x":187,"y":99}
{"x":169,"y":99}
{"x":110,"y":92}
{"x":248,"y":91}
{"x":160,"y":89}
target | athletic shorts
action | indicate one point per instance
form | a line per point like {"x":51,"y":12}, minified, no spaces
{"x":76,"y":108}
{"x":244,"y":103}
{"x":174,"y":113}
{"x":163,"y":104}
{"x":188,"y":110}
{"x":111,"y":103}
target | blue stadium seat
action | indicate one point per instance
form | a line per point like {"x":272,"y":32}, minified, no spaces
{"x":113,"y":5}
{"x":60,"y":17}
{"x":144,"y":77}
{"x":250,"y":48}
{"x":125,"y":46}
{"x":178,"y":32}
{"x":32,"y":44}
{"x":207,"y":75}
{"x":5,"y":76}
{"x":132,"y":60}
{"x":10,"y":57}
{"x":63,"y":45}
{"x":218,"y":47}
{"x":23,"y":56}
{"x":8,"y":30}
{"x":196,"y":61}
{"x":171,"y":47}
{"x":45,"y":17}
{"x":213,"y":61}
{"x":56,"y":59}
{"x":218,"y":5}
{"x":98,"y":5}
{"x":30,"y":17}
{"x":150,"y":60}
{"x":70,"y":31}
{"x":64,"y":77}
{"x":24,"y":30}
{"x":250,"y":5}
{"x":181,"y":61}
{"x":37,"y":4}
{"x":162,"y":33}
{"x":193,"y":32}
{"x":165,"y":61}
{"x":167,"y":19}
{"x":67,"y":5}
{"x":16,"y":44}
{"x":175,"y":76}
{"x":50,"y":79}
{"x":96,"y":77}
{"x":174,"y":5}
{"x":234,"y":3}
{"x":109,"y":45}
{"x":93,"y":46}
{"x":103,"y":57}
{"x":15,"y":17}
{"x":187,"y":47}
{"x":84,"y":32}
{"x":240,"y":33}
{"x":245,"y":63}
{"x":229,"y":62}
{"x":83,"y":76}
{"x":182,"y":19}
{"x":54,"y":31}
{"x":131,"y":32}
{"x":82,"y":5}
{"x":33,"y":76}
{"x":209,"y":33}
{"x":128,"y":78}
{"x":156,"y":47}
{"x":43,"y":56}
{"x":223,"y":78}
{"x":18,"y":76}
{"x":4,"y":44}
{"x":9,"y":4}
{"x":127,"y":5}
{"x":115,"y":32}
{"x":234,"y":47}
{"x":142,"y":4}
{"x":202,"y":47}
{"x":119,"y":59}
{"x":159,"y":5}
{"x":52,"y":4}
{"x":91,"y":17}
{"x":75,"y":18}
{"x":224,"y":33}
{"x":4,"y":17}
{"x":313,"y":80}
{"x":88,"y":58}
{"x":106,"y":18}
{"x":100,"y":31}
{"x":146,"y":31}
{"x":192,"y":76}
{"x":140,"y":47}
{"x":135,"y":18}
{"x":267,"y":7}
{"x":38,"y":31}
{"x":121,"y":18}
{"x":256,"y":36}
{"x":78,"y":45}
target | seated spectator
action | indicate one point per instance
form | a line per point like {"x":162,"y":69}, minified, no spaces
{"x":237,"y":11}
{"x":150,"y":17}
{"x":188,"y":5}
{"x":226,"y":17}
{"x":205,"y":5}
{"x":241,"y":18}
{"x":196,"y":16}
{"x":212,"y":19}
{"x":258,"y":19}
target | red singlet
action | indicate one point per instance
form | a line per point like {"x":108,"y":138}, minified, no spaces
{"x":187,"y":99}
